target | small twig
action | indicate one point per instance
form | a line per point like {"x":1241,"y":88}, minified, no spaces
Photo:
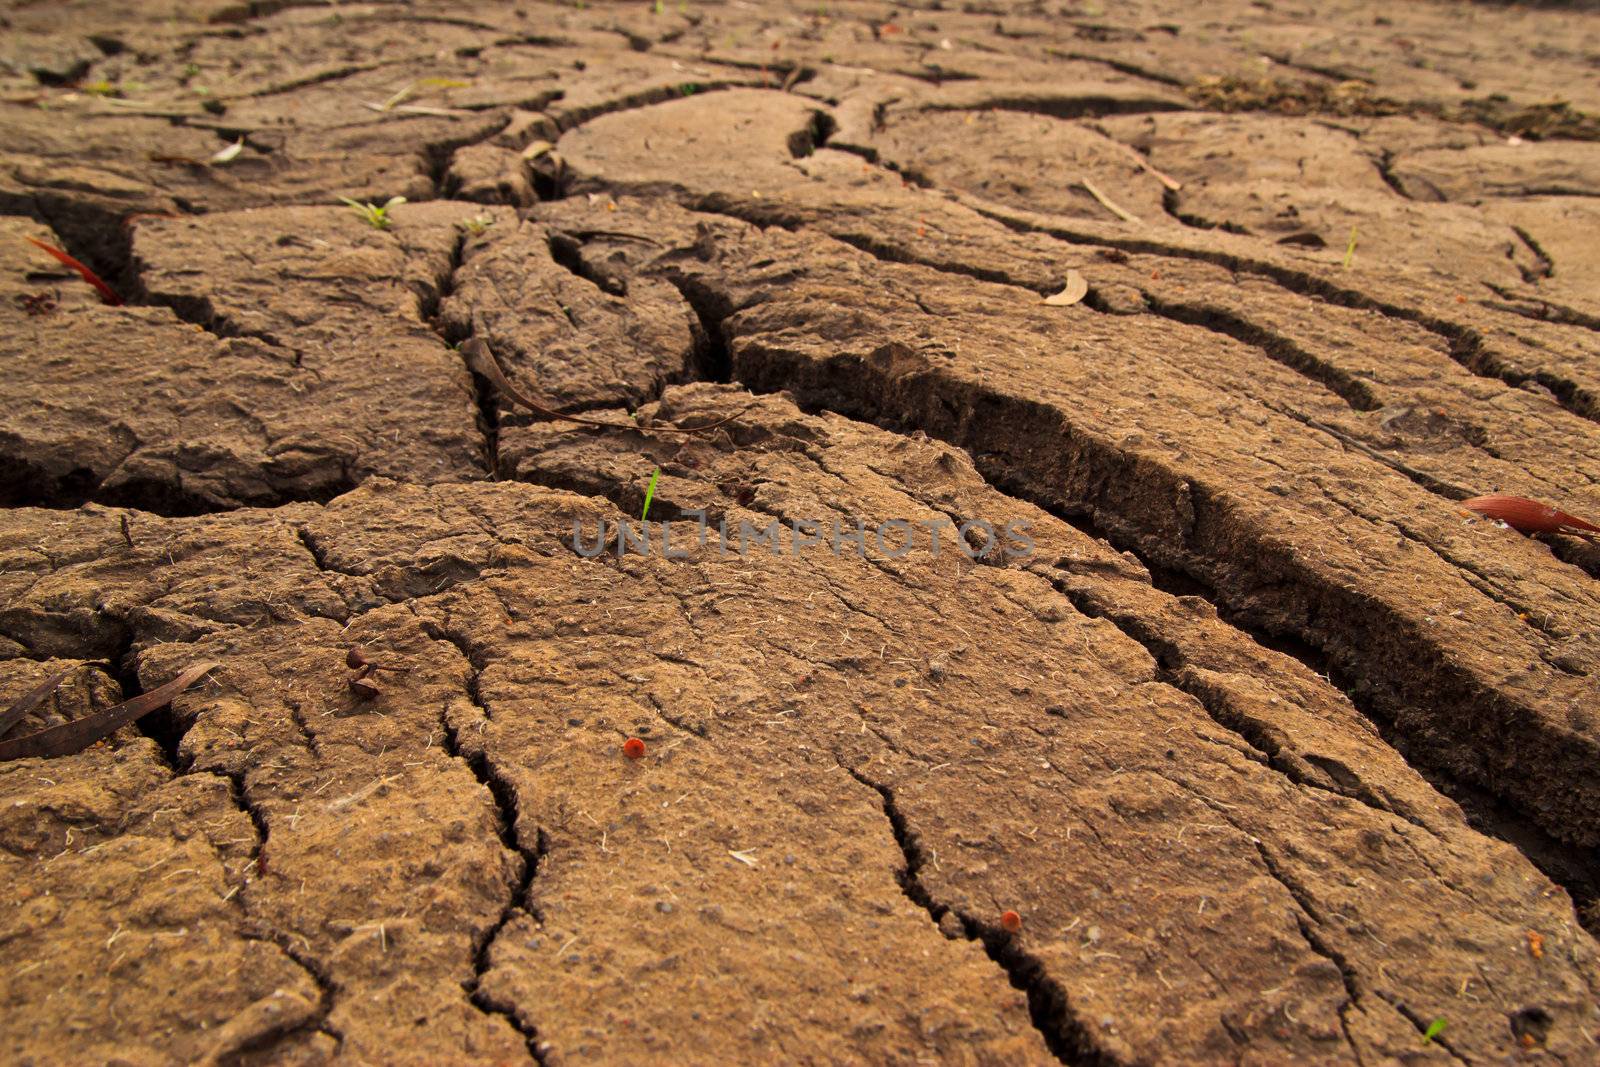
{"x":415,"y":109}
{"x":612,"y":233}
{"x":1165,"y":179}
{"x":360,"y":794}
{"x":1107,"y":203}
{"x":134,"y":107}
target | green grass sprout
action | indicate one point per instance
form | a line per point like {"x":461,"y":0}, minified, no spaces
{"x":373,"y":215}
{"x":648,"y":494}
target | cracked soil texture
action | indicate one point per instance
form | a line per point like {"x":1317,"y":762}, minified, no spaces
{"x":1276,"y":753}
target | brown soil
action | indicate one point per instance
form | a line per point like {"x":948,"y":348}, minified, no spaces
{"x":1278,"y":755}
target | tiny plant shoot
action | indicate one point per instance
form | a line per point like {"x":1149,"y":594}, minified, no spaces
{"x":373,"y":215}
{"x":1434,"y":1029}
{"x":649,"y":493}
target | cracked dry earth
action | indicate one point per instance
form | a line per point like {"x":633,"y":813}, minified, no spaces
{"x":1280,"y":755}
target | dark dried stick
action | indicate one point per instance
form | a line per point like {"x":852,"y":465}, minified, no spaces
{"x":32,"y":699}
{"x":79,"y":734}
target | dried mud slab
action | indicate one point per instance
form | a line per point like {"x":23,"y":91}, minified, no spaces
{"x":851,"y":358}
{"x":813,"y":725}
{"x":1276,"y":753}
{"x":1002,"y":155}
{"x":1508,"y":169}
{"x":1290,"y":181}
{"x":367,"y":101}
{"x":1554,"y":226}
{"x":568,"y":340}
{"x":138,"y":871}
{"x":288,"y":392}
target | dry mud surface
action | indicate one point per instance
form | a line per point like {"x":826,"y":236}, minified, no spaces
{"x":1279,"y":755}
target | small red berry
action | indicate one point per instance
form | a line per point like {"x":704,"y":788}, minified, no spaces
{"x":633,"y":748}
{"x":1010,"y":922}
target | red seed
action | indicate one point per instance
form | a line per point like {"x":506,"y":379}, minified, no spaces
{"x":1010,"y":922}
{"x":633,"y":748}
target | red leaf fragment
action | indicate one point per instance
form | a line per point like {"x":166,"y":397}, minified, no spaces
{"x":107,"y":294}
{"x":1527,"y":516}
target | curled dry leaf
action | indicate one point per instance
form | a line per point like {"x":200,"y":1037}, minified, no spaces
{"x":79,"y":734}
{"x":227,"y":154}
{"x":1077,"y":288}
{"x":364,"y":688}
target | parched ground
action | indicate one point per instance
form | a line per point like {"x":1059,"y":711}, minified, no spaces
{"x":1278,"y":754}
